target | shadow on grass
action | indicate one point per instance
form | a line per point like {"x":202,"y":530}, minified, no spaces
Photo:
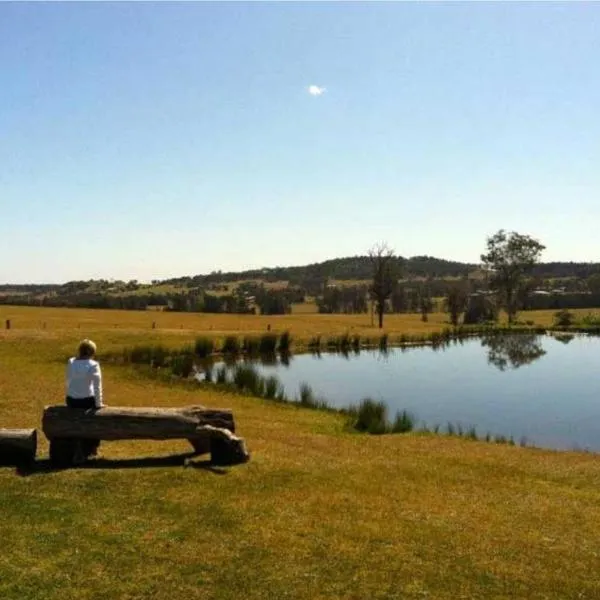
{"x":44,"y":466}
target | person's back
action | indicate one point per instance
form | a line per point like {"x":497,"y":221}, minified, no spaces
{"x":84,"y":390}
{"x":84,"y":383}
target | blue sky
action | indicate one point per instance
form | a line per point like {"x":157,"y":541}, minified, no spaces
{"x":146,"y":141}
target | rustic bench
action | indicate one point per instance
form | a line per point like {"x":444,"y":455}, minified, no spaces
{"x":207,"y":430}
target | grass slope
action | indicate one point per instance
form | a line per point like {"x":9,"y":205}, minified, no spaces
{"x":317,"y":513}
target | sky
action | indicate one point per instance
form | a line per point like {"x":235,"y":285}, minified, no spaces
{"x":154,"y":140}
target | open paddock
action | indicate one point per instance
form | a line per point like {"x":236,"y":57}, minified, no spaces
{"x":318,"y":512}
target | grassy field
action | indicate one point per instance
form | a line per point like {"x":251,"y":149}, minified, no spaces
{"x":317,"y":512}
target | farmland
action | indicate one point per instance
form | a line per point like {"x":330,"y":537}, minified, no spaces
{"x":318,"y":512}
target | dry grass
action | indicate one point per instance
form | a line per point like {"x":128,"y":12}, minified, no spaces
{"x":301,"y":325}
{"x":317,"y":513}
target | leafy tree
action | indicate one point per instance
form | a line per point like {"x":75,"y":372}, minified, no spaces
{"x":385,"y":276}
{"x":399,"y":300}
{"x":480,"y":309}
{"x":593,"y":284}
{"x":456,"y":300}
{"x":510,"y":257}
{"x":425,"y":303}
{"x":274,"y":302}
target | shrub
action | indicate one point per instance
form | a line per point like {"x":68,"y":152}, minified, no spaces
{"x":564,"y":318}
{"x":203,"y":347}
{"x":251,"y":345}
{"x":307,"y":396}
{"x":272,"y":387}
{"x":383,"y":342}
{"x":344,"y":342}
{"x":371,"y":417}
{"x":147,"y":355}
{"x":591,"y":320}
{"x":221,"y":375}
{"x":231,"y":345}
{"x":247,"y":379}
{"x":404,"y":422}
{"x":182,"y":365}
{"x":314,"y":345}
{"x":285,"y":343}
{"x":267,"y":343}
{"x":159,"y":355}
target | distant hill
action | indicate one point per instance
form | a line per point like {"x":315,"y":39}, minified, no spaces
{"x":359,"y":268}
{"x":348,"y":268}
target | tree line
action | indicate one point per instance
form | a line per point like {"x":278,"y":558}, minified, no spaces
{"x":508,"y":277}
{"x":507,"y":263}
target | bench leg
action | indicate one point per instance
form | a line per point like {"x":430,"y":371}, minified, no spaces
{"x":69,"y":452}
{"x":200,"y":445}
{"x":62,"y":452}
{"x":225,"y":452}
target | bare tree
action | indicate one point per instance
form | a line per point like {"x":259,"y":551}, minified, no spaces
{"x":385,"y":276}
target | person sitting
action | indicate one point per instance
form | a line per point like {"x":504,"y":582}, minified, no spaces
{"x":84,"y":389}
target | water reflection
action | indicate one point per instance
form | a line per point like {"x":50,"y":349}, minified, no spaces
{"x":268,"y":360}
{"x":554,"y":403}
{"x":512,"y":352}
{"x":564,"y":338}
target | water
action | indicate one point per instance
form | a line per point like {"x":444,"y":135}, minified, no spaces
{"x":540,"y":389}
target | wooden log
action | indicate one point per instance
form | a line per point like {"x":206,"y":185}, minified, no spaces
{"x":17,"y":446}
{"x":226,"y":448}
{"x":128,"y":423}
{"x":208,"y":430}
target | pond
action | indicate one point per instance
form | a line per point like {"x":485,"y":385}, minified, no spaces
{"x":541,"y":390}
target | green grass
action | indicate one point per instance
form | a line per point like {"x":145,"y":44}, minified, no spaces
{"x":317,"y":513}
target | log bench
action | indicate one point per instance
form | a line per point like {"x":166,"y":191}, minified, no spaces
{"x":207,"y":430}
{"x":17,"y":446}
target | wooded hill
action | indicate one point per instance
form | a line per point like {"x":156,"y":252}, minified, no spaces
{"x":355,"y":268}
{"x":360,"y":268}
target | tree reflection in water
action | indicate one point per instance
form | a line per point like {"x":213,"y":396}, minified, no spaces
{"x":513,"y":351}
{"x":564,"y":338}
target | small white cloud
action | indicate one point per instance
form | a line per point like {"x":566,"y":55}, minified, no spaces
{"x":315,"y":90}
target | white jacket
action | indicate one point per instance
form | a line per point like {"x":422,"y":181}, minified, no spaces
{"x":84,"y":379}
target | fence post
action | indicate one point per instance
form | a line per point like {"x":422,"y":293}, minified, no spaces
{"x":7,"y":323}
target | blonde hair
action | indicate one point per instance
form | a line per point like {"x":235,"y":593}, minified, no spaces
{"x":86,"y":349}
